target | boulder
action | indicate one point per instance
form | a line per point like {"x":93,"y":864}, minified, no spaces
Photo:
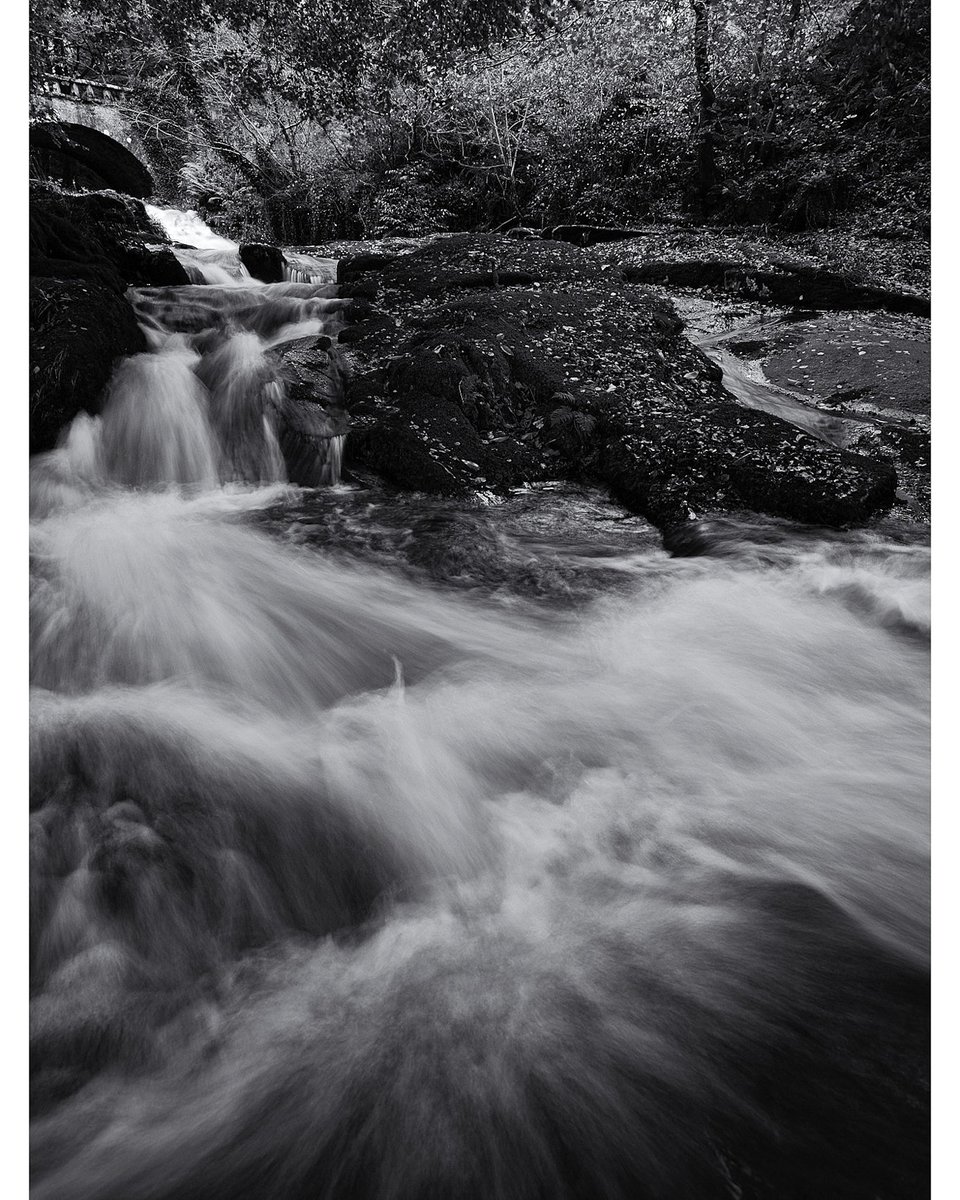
{"x":86,"y":159}
{"x":579,"y":375}
{"x":314,"y":370}
{"x":86,"y":249}
{"x":101,"y":236}
{"x":148,"y":265}
{"x":264,"y":262}
{"x":79,"y":328}
{"x":310,"y":410}
{"x":350,"y":266}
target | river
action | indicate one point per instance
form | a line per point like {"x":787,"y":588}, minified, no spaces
{"x":387,"y":847}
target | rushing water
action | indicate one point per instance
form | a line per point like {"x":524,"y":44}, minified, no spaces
{"x":204,"y":255}
{"x":388,"y":849}
{"x":207,"y":257}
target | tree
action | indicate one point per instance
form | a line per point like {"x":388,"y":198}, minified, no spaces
{"x":707,"y":174}
{"x":238,"y":78}
{"x":301,"y":119}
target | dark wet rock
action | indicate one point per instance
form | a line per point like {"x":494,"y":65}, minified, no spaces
{"x":264,"y":262}
{"x":310,"y":410}
{"x":590,"y":235}
{"x":85,"y":250}
{"x":578,"y":235}
{"x":869,"y":371}
{"x":489,"y":279}
{"x":798,"y":314}
{"x":353,"y":265}
{"x":692,"y":539}
{"x":456,"y":548}
{"x":782,"y":283}
{"x":447,"y":260}
{"x":78,"y":330}
{"x":365,"y":288}
{"x":354,"y":333}
{"x":692,"y":455}
{"x":152,"y":266}
{"x":838,"y":267}
{"x":420,"y":451}
{"x":861,"y":359}
{"x":579,"y":376}
{"x":493,"y":278}
{"x":305,"y":433}
{"x":314,"y":369}
{"x":357,"y":308}
{"x":83,"y":158}
{"x":747,"y":348}
{"x":104,"y":237}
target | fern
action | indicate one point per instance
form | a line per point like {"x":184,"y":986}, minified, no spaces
{"x":572,"y":421}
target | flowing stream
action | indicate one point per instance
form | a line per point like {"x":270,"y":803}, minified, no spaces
{"x":382,"y":848}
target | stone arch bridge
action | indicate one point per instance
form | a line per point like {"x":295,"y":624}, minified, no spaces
{"x":90,"y":142}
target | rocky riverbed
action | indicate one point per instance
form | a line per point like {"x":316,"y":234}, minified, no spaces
{"x":483,"y":363}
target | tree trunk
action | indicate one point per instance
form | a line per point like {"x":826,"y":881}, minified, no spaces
{"x":763,"y":93}
{"x":794,"y":23}
{"x":707,"y":174}
{"x":760,"y":50}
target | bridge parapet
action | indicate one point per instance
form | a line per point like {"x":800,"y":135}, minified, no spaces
{"x":84,"y":91}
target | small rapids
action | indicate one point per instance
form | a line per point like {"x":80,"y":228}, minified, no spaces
{"x":209,"y":404}
{"x":188,"y":228}
{"x":760,"y":393}
{"x":347,"y":882}
{"x":309,"y":268}
{"x":209,"y":258}
{"x":204,"y":255}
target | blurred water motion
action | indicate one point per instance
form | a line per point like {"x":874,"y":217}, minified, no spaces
{"x":350,"y":883}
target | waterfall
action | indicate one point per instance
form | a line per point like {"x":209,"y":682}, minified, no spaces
{"x":309,"y":268}
{"x":245,"y":391}
{"x":204,"y":255}
{"x":209,"y":404}
{"x":222,"y":268}
{"x":155,"y":425}
{"x":334,"y":460}
{"x":209,"y":258}
{"x":188,"y":228}
{"x":265,"y":310}
{"x":179,"y":417}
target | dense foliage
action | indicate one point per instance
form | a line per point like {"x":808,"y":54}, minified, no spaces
{"x":305,"y":119}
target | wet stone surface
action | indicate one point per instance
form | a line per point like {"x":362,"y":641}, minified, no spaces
{"x":488,"y":363}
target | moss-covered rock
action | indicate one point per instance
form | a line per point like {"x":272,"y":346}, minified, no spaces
{"x":779,"y":282}
{"x":836,"y":269}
